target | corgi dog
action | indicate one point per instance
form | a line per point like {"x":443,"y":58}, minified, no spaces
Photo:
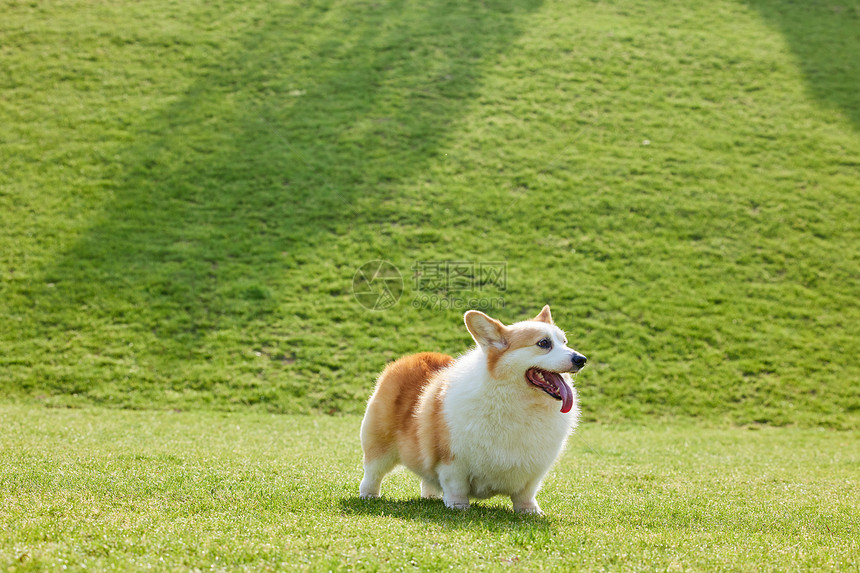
{"x":488,"y":423}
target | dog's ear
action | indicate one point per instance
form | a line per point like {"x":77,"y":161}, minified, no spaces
{"x":544,"y":316}
{"x":487,"y":332}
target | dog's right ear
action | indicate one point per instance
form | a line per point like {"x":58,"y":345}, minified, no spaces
{"x":544,"y":316}
{"x":487,"y":332}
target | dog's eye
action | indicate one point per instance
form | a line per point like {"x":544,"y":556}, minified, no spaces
{"x":544,"y":343}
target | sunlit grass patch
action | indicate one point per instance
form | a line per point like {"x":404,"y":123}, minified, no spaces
{"x":105,"y":489}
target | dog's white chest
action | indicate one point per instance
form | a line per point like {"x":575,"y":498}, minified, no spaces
{"x":503,"y":446}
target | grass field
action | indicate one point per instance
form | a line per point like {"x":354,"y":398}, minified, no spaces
{"x":96,"y":489}
{"x":187,"y":190}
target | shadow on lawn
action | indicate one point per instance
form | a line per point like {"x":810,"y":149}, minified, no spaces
{"x":232,"y":190}
{"x":825,"y":39}
{"x":495,"y":519}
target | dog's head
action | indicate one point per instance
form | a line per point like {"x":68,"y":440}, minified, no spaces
{"x":534,"y":350}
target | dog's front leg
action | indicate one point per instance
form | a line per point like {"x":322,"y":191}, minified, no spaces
{"x":455,"y":487}
{"x":524,"y":500}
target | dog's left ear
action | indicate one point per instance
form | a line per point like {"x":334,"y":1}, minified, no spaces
{"x":487,"y":332}
{"x":544,"y":316}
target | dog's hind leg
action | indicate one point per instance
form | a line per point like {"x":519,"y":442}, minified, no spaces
{"x":430,"y":490}
{"x":374,"y":470}
{"x":379,"y":447}
{"x":380,"y":455}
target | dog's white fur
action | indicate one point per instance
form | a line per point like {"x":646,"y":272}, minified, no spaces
{"x":473,"y":427}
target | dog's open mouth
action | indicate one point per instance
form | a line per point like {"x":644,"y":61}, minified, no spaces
{"x":553,"y":384}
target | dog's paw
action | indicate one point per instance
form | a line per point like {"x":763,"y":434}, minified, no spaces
{"x":461,"y":505}
{"x":368,"y":495}
{"x":529,"y":510}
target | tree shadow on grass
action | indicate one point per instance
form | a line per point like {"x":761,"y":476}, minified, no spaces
{"x":232,"y":191}
{"x":494,"y":519}
{"x":825,"y":40}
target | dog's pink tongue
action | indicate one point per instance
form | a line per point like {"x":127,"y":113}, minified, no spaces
{"x":566,"y":395}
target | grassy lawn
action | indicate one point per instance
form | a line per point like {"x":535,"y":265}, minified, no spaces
{"x":103,"y":489}
{"x":188,"y":188}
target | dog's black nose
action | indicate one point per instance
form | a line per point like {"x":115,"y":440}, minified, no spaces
{"x":579,"y":360}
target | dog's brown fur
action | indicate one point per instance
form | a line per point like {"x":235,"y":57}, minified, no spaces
{"x":395,"y":402}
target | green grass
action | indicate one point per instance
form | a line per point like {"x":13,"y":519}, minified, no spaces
{"x":96,"y":489}
{"x":187,"y":190}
